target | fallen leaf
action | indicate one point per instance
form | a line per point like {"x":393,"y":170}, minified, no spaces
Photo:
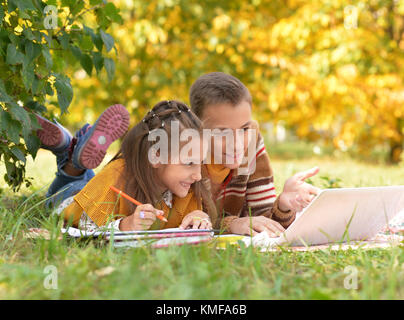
{"x":104,"y":271}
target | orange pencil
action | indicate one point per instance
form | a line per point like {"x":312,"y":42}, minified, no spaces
{"x":123,"y":194}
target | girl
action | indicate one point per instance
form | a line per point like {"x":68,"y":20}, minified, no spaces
{"x":173,"y":190}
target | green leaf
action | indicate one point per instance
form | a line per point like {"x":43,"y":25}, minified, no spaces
{"x":33,"y":144}
{"x":28,"y":34}
{"x":37,"y":86}
{"x":112,"y":12}
{"x":64,"y":40}
{"x":108,"y":40}
{"x":13,"y":130}
{"x":11,"y":6}
{"x":18,"y":153}
{"x":102,"y":19}
{"x":29,"y":50}
{"x":86,"y":43}
{"x":34,"y":121}
{"x":97,"y":41}
{"x":48,"y":38}
{"x":36,"y":107}
{"x":5,"y":118}
{"x":4,"y":97}
{"x":26,"y":131}
{"x":3,"y":126}
{"x":87,"y":31}
{"x":110,"y":67}
{"x":64,"y":92}
{"x":67,"y":3}
{"x":10,"y":167}
{"x":76,"y":52}
{"x":28,"y":76}
{"x":20,"y":114}
{"x":76,"y":7}
{"x":48,"y":89}
{"x":1,"y":14}
{"x":14,"y":38}
{"x":13,"y":56}
{"x":48,"y":58}
{"x":86,"y":63}
{"x":25,"y":5}
{"x":98,"y":61}
{"x":24,"y":15}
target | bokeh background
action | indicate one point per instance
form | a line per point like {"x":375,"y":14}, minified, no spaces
{"x":326,"y":76}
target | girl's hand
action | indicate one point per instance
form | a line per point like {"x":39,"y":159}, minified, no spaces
{"x":196,"y":220}
{"x":142,"y":219}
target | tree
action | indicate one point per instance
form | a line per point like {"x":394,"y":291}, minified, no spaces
{"x":38,"y":41}
{"x":341,"y":79}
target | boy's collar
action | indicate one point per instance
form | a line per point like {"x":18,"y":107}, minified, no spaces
{"x":217,"y":172}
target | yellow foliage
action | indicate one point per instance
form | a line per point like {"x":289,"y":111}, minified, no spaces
{"x":221,"y":22}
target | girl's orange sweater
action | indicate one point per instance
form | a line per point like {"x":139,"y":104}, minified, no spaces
{"x":102,"y":204}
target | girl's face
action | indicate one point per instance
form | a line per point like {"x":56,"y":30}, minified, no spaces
{"x":179,"y":175}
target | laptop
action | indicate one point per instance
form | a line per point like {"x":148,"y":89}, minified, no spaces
{"x":343,"y":215}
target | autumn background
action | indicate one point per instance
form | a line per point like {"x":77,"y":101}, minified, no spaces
{"x":327,"y":71}
{"x":326,"y":78}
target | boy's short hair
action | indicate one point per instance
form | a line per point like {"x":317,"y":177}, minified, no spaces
{"x":214,"y":88}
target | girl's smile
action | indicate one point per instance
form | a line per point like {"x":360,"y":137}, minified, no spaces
{"x":179,"y":177}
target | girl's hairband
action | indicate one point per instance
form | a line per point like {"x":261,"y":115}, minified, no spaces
{"x":181,"y":106}
{"x":169,"y":102}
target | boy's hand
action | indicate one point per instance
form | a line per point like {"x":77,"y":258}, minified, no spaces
{"x":255,"y":225}
{"x":297,"y":194}
{"x":196,"y":220}
{"x":142,"y":219}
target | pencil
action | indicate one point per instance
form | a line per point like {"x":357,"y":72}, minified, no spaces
{"x":123,"y":194}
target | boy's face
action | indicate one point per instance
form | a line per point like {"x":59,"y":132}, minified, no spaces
{"x":233,"y":121}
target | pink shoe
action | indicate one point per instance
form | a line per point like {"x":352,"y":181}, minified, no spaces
{"x":53,"y":136}
{"x":93,"y":142}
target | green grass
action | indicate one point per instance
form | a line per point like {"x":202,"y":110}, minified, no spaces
{"x":189,"y":272}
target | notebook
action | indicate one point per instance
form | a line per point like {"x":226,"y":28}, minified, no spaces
{"x":340,"y":215}
{"x":153,"y":238}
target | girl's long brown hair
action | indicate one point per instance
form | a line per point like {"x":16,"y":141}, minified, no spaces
{"x":139,"y":173}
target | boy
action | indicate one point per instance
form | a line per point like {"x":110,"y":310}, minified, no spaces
{"x":222,"y":102}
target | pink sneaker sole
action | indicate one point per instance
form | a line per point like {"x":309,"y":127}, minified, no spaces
{"x":110,"y":126}
{"x":51,"y":135}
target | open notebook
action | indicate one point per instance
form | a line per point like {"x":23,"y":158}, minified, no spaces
{"x":153,"y":238}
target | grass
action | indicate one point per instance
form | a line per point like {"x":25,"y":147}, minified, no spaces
{"x":90,"y":270}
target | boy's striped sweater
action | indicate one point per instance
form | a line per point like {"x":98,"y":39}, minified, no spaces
{"x":252,"y":189}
